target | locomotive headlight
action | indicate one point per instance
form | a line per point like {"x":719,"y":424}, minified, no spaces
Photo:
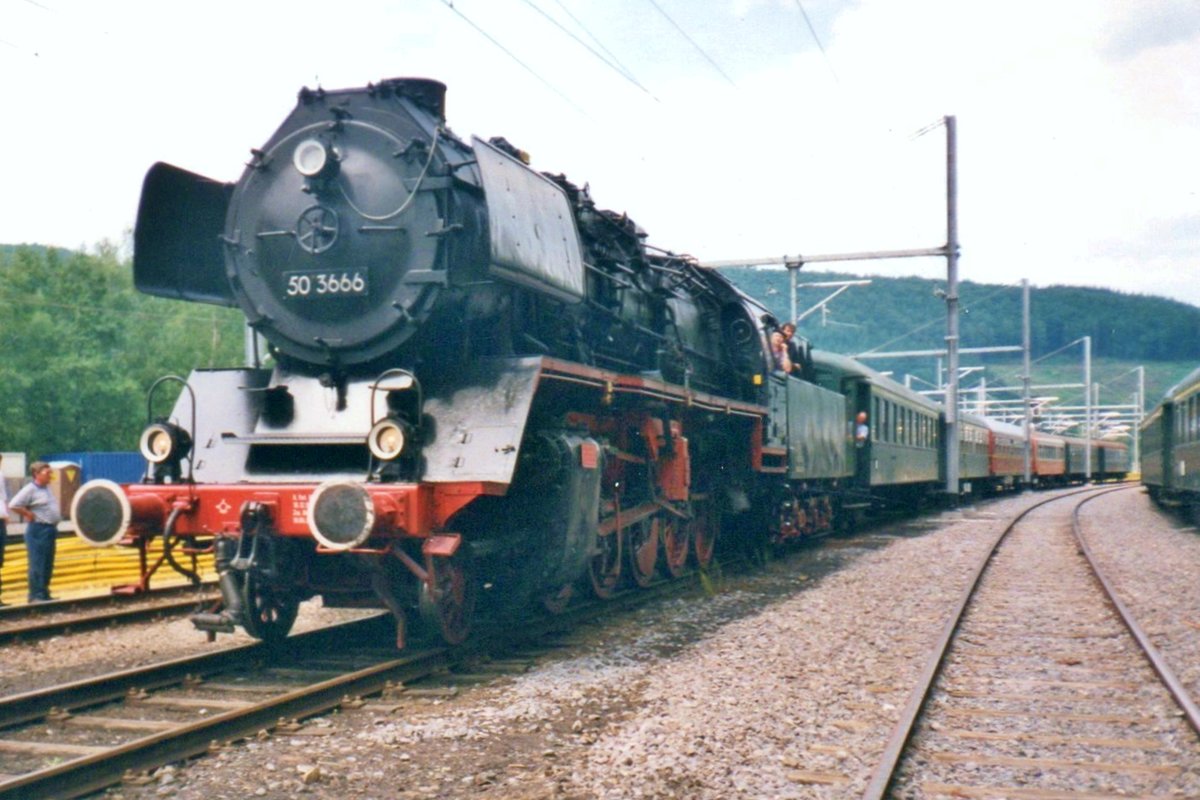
{"x":311,"y":158}
{"x":162,"y":442}
{"x":386,"y":440}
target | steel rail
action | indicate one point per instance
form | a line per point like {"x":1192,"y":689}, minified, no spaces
{"x":17,"y":611}
{"x":1157,"y":662}
{"x":93,"y":773}
{"x":881,"y":778}
{"x":21,"y":708}
{"x":40,"y":629}
{"x":96,"y":772}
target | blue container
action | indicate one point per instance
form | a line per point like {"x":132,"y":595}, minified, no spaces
{"x":118,"y":467}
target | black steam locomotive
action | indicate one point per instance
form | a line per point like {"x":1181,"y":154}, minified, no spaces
{"x":475,"y":374}
{"x":482,"y":387}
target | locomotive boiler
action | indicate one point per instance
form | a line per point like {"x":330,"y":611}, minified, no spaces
{"x":479,"y":387}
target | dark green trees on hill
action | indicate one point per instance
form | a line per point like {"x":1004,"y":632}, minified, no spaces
{"x":905,"y":314}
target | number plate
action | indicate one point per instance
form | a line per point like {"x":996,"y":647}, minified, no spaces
{"x":325,"y":284}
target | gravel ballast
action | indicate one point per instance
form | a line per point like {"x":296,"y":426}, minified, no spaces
{"x":782,"y":684}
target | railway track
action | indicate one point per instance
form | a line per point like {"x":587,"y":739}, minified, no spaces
{"x":1042,"y":686}
{"x":30,"y":622}
{"x":78,"y":738}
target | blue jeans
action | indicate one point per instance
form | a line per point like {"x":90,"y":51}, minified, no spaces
{"x":39,"y":548}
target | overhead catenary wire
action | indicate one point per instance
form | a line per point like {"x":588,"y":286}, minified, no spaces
{"x":450,"y":5}
{"x":692,"y":42}
{"x":817,"y":39}
{"x":594,"y":38}
{"x":619,"y":69}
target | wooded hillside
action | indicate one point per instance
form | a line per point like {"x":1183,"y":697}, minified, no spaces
{"x":906,"y":314}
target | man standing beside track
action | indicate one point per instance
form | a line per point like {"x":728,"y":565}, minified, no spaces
{"x":38,"y":505}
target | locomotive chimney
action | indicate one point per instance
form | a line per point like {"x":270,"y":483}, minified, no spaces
{"x":427,"y":93}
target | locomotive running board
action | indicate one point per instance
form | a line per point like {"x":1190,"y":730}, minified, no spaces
{"x":623,"y":383}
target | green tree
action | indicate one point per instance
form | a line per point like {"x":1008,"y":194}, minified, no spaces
{"x":83,"y":347}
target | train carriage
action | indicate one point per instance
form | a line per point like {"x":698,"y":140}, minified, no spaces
{"x":974,"y":463}
{"x":1006,"y":454}
{"x":1154,"y":449}
{"x":1077,"y":464}
{"x":1113,"y":458}
{"x":901,"y":455}
{"x":1171,"y":446}
{"x":1049,"y":459}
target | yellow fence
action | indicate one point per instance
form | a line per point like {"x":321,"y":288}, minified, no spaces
{"x":80,"y":569}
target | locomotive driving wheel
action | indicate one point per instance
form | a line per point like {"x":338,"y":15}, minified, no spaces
{"x":268,"y":613}
{"x":675,"y":535}
{"x":604,"y":569}
{"x":705,"y":527}
{"x":447,"y":600}
{"x":642,"y":548}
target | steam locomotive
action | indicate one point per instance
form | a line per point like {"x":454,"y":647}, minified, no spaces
{"x":475,"y":374}
{"x":480,"y":387}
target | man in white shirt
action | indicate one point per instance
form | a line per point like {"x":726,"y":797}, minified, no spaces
{"x":38,"y":505}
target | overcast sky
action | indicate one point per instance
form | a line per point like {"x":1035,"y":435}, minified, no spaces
{"x":725,"y":127}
